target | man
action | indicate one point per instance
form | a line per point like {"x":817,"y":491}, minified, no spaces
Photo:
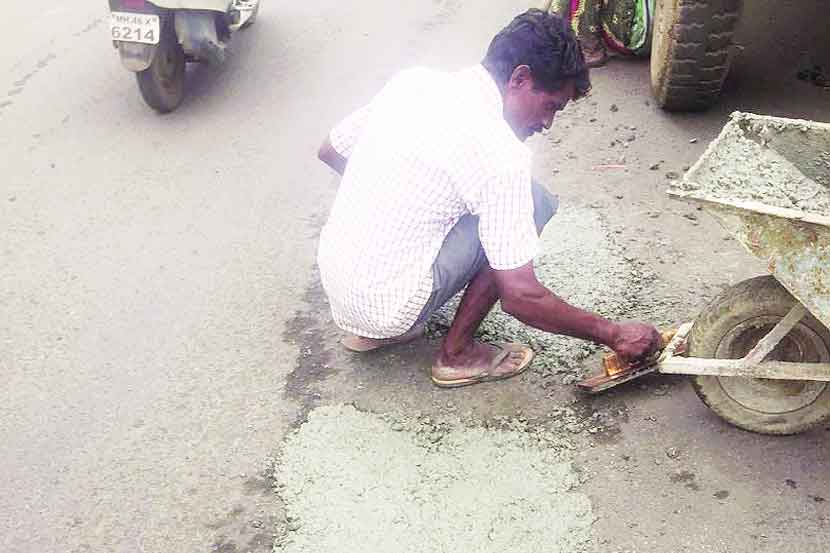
{"x":437,"y":196}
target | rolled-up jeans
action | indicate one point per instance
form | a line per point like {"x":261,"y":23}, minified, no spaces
{"x":462,"y":257}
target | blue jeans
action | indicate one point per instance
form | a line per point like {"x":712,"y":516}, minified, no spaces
{"x":462,"y":257}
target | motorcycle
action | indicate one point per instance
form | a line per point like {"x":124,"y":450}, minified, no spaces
{"x":156,"y":38}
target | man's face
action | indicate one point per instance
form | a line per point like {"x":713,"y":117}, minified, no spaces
{"x":529,"y":110}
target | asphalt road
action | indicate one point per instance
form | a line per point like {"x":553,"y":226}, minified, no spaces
{"x":161,"y":326}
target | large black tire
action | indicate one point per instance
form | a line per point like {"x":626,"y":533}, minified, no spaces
{"x":728,"y":328}
{"x":690,"y":51}
{"x":162,"y":84}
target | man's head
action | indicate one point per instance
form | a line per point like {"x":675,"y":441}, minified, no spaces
{"x":538,"y":64}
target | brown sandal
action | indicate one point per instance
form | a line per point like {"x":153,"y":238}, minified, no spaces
{"x":486,"y":372}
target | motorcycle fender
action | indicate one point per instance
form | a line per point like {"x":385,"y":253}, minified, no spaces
{"x":211,"y":5}
{"x":196,"y":31}
{"x":136,"y":57}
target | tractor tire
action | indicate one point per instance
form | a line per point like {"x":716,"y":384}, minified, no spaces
{"x":690,"y":51}
{"x":728,"y":328}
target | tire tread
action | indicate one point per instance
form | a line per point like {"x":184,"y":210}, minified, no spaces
{"x":697,"y":55}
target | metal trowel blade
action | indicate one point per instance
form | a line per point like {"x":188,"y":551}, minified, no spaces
{"x":602,"y":382}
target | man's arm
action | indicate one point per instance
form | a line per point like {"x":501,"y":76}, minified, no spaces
{"x":341,"y":141}
{"x":332,"y":157}
{"x":525,"y":298}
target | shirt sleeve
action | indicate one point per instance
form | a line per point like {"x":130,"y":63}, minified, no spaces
{"x":506,"y":226}
{"x":346,"y":134}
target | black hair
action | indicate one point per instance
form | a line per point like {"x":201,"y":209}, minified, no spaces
{"x":545,"y":43}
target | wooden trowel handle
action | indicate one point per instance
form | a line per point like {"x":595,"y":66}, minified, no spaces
{"x":612,"y":364}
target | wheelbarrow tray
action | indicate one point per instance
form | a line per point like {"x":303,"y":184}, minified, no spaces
{"x":766,"y":180}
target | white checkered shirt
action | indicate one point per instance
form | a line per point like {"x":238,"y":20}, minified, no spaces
{"x":428,"y":149}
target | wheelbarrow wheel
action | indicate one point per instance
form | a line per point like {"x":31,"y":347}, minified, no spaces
{"x":728,"y":328}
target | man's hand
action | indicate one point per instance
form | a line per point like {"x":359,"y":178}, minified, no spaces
{"x":524,"y":297}
{"x":635,"y":342}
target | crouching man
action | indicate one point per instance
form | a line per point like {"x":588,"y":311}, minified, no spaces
{"x":436,"y":196}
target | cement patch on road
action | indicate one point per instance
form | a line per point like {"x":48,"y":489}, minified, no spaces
{"x":355,"y":481}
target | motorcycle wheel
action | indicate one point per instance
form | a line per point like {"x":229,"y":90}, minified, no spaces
{"x":162,"y":84}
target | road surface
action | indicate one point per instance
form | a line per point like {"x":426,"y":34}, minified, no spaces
{"x":163,"y":330}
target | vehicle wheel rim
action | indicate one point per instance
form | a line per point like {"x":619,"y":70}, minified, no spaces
{"x":771,"y":396}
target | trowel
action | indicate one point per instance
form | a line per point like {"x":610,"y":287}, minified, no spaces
{"x":615,"y":371}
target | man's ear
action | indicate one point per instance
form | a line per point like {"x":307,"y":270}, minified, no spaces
{"x":521,"y":77}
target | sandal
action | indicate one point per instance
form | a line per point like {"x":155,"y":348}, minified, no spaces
{"x":487,"y":373}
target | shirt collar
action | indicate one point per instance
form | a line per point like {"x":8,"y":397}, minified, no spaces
{"x":489,"y":89}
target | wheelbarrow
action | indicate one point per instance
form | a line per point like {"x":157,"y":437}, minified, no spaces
{"x":759,"y":354}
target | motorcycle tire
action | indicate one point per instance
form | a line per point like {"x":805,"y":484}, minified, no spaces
{"x":162,"y":84}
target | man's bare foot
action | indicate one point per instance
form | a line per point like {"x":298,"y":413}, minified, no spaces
{"x":360,"y":344}
{"x":480,"y":363}
{"x":594,"y":51}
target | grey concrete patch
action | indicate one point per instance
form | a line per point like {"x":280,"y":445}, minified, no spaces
{"x":356,"y":481}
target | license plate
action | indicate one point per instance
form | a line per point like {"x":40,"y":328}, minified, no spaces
{"x":135,"y":27}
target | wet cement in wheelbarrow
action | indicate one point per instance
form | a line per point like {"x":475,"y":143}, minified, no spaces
{"x":358,"y":481}
{"x":741,"y":167}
